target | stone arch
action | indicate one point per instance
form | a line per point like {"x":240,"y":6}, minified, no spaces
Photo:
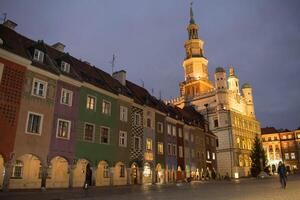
{"x":58,"y":173}
{"x":26,"y":172}
{"x":1,"y":170}
{"x":147,"y":173}
{"x":134,"y":173}
{"x":80,"y":172}
{"x":103,"y":173}
{"x":120,"y":174}
{"x":159,"y":174}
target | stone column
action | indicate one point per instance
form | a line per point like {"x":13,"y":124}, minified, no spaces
{"x":93,"y":176}
{"x":71,"y":175}
{"x":128,"y":176}
{"x":44,"y":177}
{"x":140,"y":175}
{"x":7,"y":174}
{"x":153,"y":176}
{"x":111,"y":175}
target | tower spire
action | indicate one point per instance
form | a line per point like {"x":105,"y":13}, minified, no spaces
{"x":192,"y":27}
{"x":192,"y":21}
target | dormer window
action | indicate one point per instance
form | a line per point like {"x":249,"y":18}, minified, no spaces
{"x":65,"y":66}
{"x":38,"y":55}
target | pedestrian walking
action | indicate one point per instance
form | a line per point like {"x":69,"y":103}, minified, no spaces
{"x":282,"y":174}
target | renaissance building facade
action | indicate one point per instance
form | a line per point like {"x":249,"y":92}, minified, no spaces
{"x":229,"y":109}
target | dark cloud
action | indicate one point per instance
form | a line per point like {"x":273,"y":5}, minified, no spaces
{"x":260,"y":38}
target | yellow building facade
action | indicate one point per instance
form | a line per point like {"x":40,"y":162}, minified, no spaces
{"x":228,"y":107}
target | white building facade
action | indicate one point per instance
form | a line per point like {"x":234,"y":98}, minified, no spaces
{"x":229,"y":107}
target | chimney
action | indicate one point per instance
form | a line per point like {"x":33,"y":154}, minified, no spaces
{"x":59,"y":46}
{"x":10,"y":24}
{"x":120,"y":76}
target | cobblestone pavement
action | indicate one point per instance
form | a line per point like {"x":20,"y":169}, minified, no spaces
{"x":243,"y":189}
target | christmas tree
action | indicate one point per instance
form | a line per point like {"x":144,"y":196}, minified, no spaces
{"x":258,"y":158}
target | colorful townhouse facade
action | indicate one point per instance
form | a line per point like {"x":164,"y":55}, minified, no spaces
{"x":65,"y":123}
{"x":281,"y":146}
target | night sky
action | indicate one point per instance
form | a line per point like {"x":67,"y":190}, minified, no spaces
{"x":261,"y":39}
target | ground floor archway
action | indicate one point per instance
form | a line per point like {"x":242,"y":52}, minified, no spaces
{"x":159,"y":174}
{"x":58,"y":175}
{"x":179,"y":173}
{"x":147,"y":173}
{"x":82,"y":173}
{"x":134,"y":172}
{"x":120,"y":174}
{"x":103,"y":174}
{"x":26,"y":172}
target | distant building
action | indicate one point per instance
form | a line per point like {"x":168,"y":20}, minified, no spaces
{"x":281,"y":145}
{"x":230,"y":112}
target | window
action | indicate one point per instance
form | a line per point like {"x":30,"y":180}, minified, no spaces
{"x":293,"y":156}
{"x":148,"y":122}
{"x":298,"y":135}
{"x":169,"y":129}
{"x":38,"y":55}
{"x":270,"y":148}
{"x":122,"y":170}
{"x":106,"y":106}
{"x":65,"y":66}
{"x":216,"y":123}
{"x":17,"y":170}
{"x":149,"y":144}
{"x":123,"y":139}
{"x":174,"y":130}
{"x":180,"y":151}
{"x":34,"y":123}
{"x":89,"y":132}
{"x":105,"y":171}
{"x":123,"y":113}
{"x":169,"y":149}
{"x":66,"y":97}
{"x":174,"y":150}
{"x":91,"y":103}
{"x":104,"y":135}
{"x":286,"y":155}
{"x":192,"y":138}
{"x":180,"y":132}
{"x":290,"y":136}
{"x":284,"y":137}
{"x":137,"y":119}
{"x":137,"y":143}
{"x":214,"y":156}
{"x":39,"y":88}
{"x":160,"y":148}
{"x":186,"y":136}
{"x":63,"y":129}
{"x":208,"y":154}
{"x":193,"y":153}
{"x":207,"y":140}
{"x":160,"y":127}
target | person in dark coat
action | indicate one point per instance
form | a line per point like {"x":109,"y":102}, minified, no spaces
{"x":282,"y":174}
